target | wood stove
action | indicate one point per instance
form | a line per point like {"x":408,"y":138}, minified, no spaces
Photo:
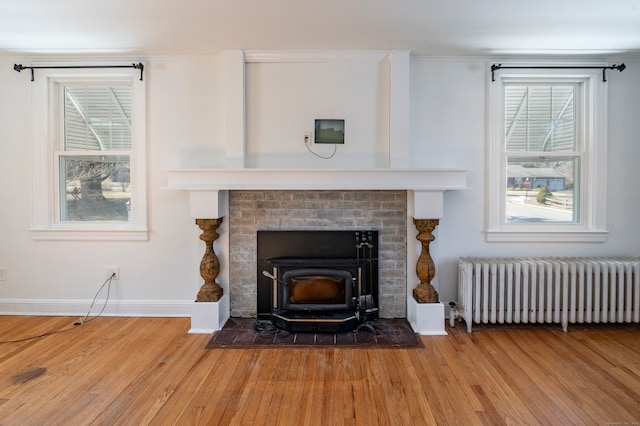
{"x":312,"y":290}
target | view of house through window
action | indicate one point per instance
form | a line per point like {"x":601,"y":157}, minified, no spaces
{"x":543,"y":151}
{"x":94,"y":156}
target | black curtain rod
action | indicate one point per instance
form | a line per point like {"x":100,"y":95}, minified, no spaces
{"x":621,"y":67}
{"x":138,"y":66}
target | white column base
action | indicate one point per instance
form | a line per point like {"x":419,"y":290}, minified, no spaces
{"x":207,"y":317}
{"x":426,"y":318}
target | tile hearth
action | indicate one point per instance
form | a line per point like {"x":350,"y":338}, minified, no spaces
{"x":242,"y":333}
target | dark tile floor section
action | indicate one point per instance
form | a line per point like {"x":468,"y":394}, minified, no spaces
{"x":240,"y":333}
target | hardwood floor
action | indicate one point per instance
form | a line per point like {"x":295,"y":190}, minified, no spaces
{"x":151,"y":371}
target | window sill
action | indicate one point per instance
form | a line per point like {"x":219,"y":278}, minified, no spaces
{"x":90,"y":234}
{"x":546,"y":236}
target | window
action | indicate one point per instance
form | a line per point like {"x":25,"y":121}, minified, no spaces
{"x":89,"y":146}
{"x":547,"y":153}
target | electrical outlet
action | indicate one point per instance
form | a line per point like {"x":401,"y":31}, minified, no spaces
{"x":306,"y":137}
{"x":3,"y":273}
{"x":115,"y":271}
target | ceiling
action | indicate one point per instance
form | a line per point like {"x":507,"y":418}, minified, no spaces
{"x":426,"y":27}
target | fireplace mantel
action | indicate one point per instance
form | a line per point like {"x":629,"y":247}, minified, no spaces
{"x":208,"y":199}
{"x":204,"y":185}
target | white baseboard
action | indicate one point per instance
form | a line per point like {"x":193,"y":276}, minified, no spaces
{"x":125,"y":308}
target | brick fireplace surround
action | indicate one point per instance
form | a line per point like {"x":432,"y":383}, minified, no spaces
{"x":249,"y":200}
{"x":384,"y":211}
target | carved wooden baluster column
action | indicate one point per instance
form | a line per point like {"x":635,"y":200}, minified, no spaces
{"x":425,"y":292}
{"x":209,"y":266}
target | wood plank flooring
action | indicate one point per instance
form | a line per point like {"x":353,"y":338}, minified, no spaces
{"x":151,"y":371}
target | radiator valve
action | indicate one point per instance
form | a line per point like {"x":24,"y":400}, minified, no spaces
{"x":454,"y":314}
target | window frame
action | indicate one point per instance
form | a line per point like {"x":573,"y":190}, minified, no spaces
{"x":47,"y":121}
{"x":591,"y":192}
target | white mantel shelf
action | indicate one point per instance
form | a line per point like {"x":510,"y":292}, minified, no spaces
{"x":317,"y":179}
{"x":208,"y":188}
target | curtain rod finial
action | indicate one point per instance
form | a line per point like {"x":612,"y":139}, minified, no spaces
{"x":139,"y":66}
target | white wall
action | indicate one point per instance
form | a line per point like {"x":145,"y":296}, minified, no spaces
{"x":448,"y":126}
{"x":185,"y":130}
{"x":160,"y":276}
{"x":284,"y":99}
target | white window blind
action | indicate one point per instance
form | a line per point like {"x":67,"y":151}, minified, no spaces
{"x":540,"y":118}
{"x":97,"y":118}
